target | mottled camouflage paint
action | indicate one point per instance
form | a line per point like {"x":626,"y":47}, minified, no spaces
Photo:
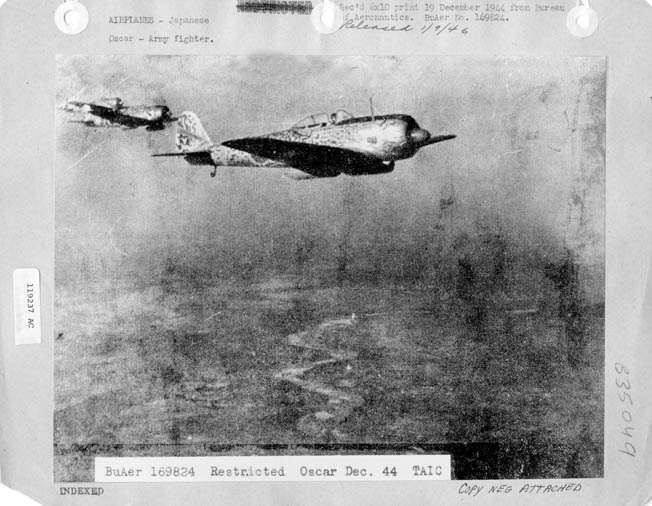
{"x":385,"y":138}
{"x":111,"y":112}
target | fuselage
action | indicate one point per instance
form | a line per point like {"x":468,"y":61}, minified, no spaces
{"x":119,"y":115}
{"x":386,"y":138}
{"x":152,"y":113}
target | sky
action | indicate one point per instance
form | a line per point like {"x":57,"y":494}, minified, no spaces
{"x":528,"y":157}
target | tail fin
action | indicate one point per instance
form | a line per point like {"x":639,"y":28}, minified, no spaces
{"x":191,"y":136}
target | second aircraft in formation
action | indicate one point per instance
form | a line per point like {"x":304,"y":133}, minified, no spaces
{"x":111,"y":112}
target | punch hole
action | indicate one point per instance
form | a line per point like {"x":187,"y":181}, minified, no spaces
{"x":327,"y":17}
{"x":71,"y":17}
{"x":582,"y":20}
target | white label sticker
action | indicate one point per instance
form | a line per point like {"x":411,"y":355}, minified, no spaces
{"x":27,"y":306}
{"x":278,"y":468}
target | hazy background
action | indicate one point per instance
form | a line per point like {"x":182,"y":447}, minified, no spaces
{"x":514,"y":166}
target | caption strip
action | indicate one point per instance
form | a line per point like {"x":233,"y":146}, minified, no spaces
{"x":278,"y":468}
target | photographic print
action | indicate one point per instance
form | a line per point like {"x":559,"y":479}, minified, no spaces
{"x":288,"y":255}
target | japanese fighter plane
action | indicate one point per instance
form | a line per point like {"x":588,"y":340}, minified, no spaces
{"x":318,"y":146}
{"x":111,"y":112}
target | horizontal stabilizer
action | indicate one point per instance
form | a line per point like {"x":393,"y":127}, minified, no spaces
{"x":200,"y":157}
{"x":182,"y":154}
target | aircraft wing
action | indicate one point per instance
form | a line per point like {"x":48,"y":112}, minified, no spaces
{"x":109,"y":113}
{"x":317,"y":161}
{"x":101,"y":111}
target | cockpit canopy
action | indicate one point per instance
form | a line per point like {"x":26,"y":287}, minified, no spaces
{"x":112,"y":102}
{"x":322,"y":119}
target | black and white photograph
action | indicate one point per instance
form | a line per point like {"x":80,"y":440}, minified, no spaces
{"x":338,"y":255}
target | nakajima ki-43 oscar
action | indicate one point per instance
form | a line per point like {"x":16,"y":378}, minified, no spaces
{"x":319,"y":146}
{"x":111,"y":112}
